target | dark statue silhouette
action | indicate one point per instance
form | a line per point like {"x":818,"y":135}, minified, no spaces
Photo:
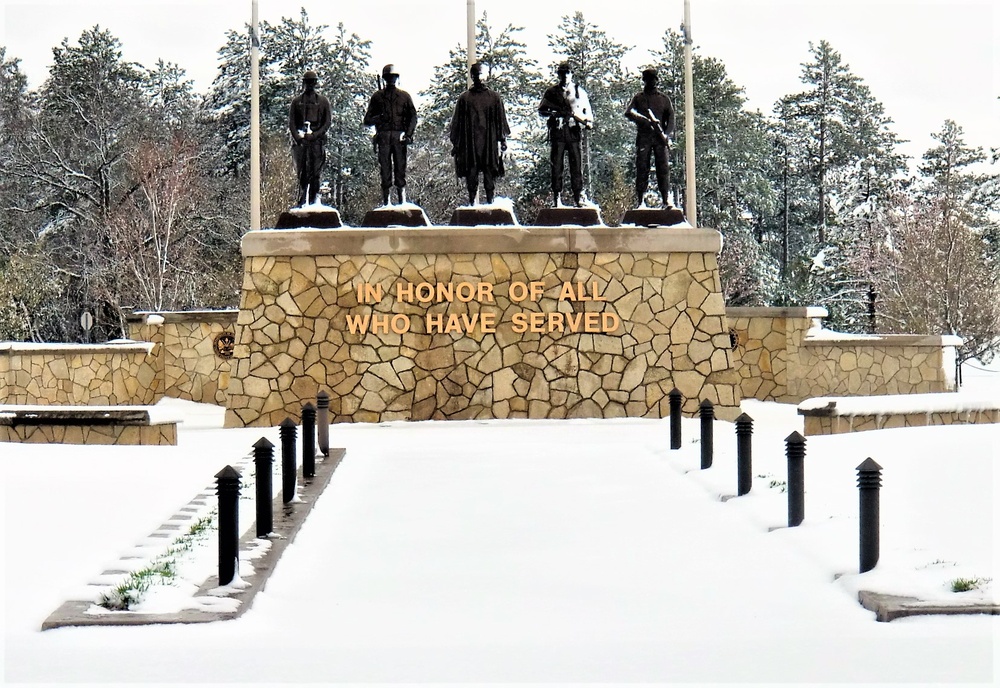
{"x":568,"y":110}
{"x":308,"y":121}
{"x":478,"y":136}
{"x":391,"y":112}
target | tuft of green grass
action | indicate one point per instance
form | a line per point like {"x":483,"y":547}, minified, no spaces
{"x":967,"y":584}
{"x":160,"y":570}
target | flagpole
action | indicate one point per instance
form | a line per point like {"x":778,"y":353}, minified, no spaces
{"x":254,"y":123}
{"x":470,"y":39}
{"x":690,"y":197}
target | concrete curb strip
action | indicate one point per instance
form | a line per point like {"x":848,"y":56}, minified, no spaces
{"x":288,"y":519}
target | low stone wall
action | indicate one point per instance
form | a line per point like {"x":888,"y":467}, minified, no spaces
{"x":539,"y":322}
{"x":830,"y":416}
{"x":114,"y":373}
{"x":784,"y":354}
{"x":151,"y":435}
{"x":195,"y":346}
{"x":833,"y":425}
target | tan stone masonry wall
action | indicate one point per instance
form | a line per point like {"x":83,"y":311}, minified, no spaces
{"x":189,"y":366}
{"x":782,"y":354}
{"x":299,"y":286}
{"x":80,"y":374}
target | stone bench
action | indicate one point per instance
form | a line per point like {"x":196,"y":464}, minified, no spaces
{"x":86,"y":425}
{"x":833,"y":415}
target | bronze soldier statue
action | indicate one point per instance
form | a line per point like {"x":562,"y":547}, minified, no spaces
{"x":653,"y":114}
{"x":391,"y":112}
{"x":568,"y":109}
{"x":477,"y":127}
{"x":308,"y":120}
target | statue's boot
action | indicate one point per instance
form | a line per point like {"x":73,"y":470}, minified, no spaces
{"x":576,"y":200}
{"x":555,"y":199}
{"x":401,"y":193}
{"x":385,"y":196}
{"x":661,"y":184}
{"x":489,"y":198}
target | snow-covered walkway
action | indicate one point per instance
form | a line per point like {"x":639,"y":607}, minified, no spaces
{"x":514,"y":551}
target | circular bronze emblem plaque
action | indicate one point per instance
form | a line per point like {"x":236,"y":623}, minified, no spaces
{"x":224,"y":342}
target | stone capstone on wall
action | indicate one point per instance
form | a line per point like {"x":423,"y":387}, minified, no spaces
{"x":550,"y":355}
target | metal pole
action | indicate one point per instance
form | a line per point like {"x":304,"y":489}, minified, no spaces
{"x":707,"y":412}
{"x":323,"y":423}
{"x":795,"y":451}
{"x":744,"y":452}
{"x":287,"y":430}
{"x":263,"y":457}
{"x":228,"y":489}
{"x":470,"y":40}
{"x":254,"y":122}
{"x":869,"y":482}
{"x":308,"y":440}
{"x":690,"y":205}
{"x":675,"y":418}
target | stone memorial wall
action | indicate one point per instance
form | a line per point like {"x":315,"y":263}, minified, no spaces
{"x":460,"y":323}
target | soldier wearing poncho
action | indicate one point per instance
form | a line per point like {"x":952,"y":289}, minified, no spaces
{"x":478,"y":136}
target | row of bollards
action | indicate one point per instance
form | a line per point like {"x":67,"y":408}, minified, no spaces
{"x":869,"y":472}
{"x":315,"y":424}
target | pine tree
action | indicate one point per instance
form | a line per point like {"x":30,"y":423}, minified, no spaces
{"x":836,"y":124}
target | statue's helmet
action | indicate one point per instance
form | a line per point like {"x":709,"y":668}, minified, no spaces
{"x":389,"y":70}
{"x":563,"y":68}
{"x":310,"y":76}
{"x":649,"y":74}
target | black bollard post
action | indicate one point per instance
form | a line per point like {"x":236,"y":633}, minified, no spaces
{"x":869,"y":482}
{"x":675,"y":418}
{"x":707,"y":412}
{"x":323,"y":423}
{"x":744,"y":452}
{"x":287,"y":430}
{"x":795,"y":451}
{"x":228,"y":489}
{"x":308,"y":440}
{"x":263,"y":457}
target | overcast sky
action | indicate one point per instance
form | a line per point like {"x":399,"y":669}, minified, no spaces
{"x":925,"y":60}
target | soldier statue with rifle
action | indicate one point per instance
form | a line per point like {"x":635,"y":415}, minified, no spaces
{"x":567,"y":107}
{"x":653,"y":114}
{"x":308,"y":120}
{"x":391,"y":112}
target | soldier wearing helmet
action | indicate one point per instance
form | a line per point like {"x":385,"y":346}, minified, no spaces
{"x":308,"y":121}
{"x":653,"y":114}
{"x":391,"y":112}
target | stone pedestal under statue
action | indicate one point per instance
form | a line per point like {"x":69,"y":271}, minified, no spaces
{"x":322,"y":217}
{"x":562,"y":216}
{"x":402,"y":215}
{"x":479,"y":215}
{"x":480,"y":322}
{"x":653,"y":217}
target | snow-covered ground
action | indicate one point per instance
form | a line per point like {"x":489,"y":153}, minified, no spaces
{"x":529,"y":551}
